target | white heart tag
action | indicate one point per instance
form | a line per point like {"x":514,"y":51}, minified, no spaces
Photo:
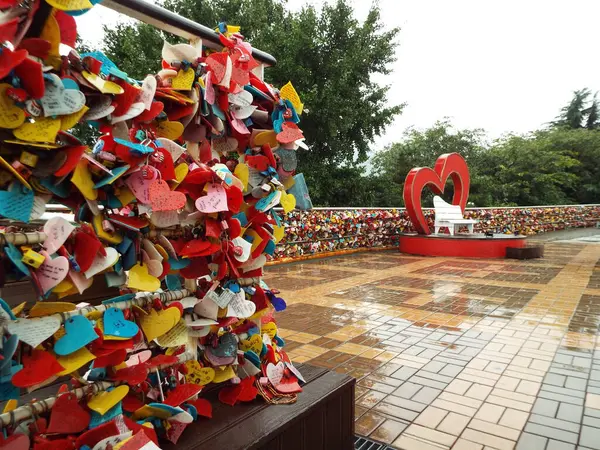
{"x":34,"y":331}
{"x":206,"y":308}
{"x":102,"y":108}
{"x":275,"y":373}
{"x":101,"y":263}
{"x":59,"y":101}
{"x":57,"y":231}
{"x":255,"y":263}
{"x":240,"y":307}
{"x":79,"y":281}
{"x":147,"y":92}
{"x":134,"y":110}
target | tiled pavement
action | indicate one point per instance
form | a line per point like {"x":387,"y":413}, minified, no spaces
{"x":456,"y":353}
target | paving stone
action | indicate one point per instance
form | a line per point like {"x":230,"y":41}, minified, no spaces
{"x":529,"y":441}
{"x":426,"y":395}
{"x":558,"y":445}
{"x":555,"y":379}
{"x":552,"y":433}
{"x":554,"y":423}
{"x":569,"y":412}
{"x":407,"y":390}
{"x":576,"y":383}
{"x":590,"y":437}
{"x":404,"y":373}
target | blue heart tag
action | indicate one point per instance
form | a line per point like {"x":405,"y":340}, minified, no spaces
{"x":269,"y":248}
{"x":191,"y":409}
{"x":277,"y":302}
{"x":135,"y":147}
{"x":16,"y":203}
{"x":116,"y":173}
{"x":115,"y":324}
{"x":280,"y":342}
{"x":173,"y":282}
{"x":15,"y":255}
{"x":61,"y":190}
{"x":79,"y":333}
{"x":7,"y":311}
{"x":98,"y":419}
{"x":252,"y":357}
{"x":227,"y":346}
{"x":97,"y":374}
{"x":9,"y":347}
{"x":120,"y":298}
{"x":9,"y":392}
{"x":262,"y":204}
{"x":177,"y":264}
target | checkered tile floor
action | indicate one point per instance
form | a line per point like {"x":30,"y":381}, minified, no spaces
{"x":456,"y":353}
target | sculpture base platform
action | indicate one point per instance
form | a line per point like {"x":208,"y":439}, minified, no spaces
{"x":460,"y":245}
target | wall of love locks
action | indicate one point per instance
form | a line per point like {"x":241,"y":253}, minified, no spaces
{"x":174,"y":207}
{"x":325,"y":230}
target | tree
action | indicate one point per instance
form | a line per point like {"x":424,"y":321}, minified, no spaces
{"x":328,"y":55}
{"x":577,"y":114}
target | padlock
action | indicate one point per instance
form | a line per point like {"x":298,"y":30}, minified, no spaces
{"x":33,"y":259}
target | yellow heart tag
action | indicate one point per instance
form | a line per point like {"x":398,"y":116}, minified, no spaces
{"x":41,"y":309}
{"x":16,"y":174}
{"x":103,"y":401}
{"x":223,"y":375}
{"x":70,"y":120}
{"x":176,"y":336}
{"x":125,"y":196}
{"x":64,"y":286}
{"x":266,"y":137}
{"x":278,"y":233}
{"x":270,"y":329}
{"x":44,"y":129}
{"x":181,"y":172}
{"x":11,"y":405}
{"x":288,"y":92}
{"x":75,"y":360}
{"x":18,"y":309}
{"x":184,"y":80}
{"x":140,"y":279}
{"x":11,"y":116}
{"x":108,"y":236}
{"x":70,"y":5}
{"x":256,"y":239}
{"x":160,"y":249}
{"x":82,"y":178}
{"x":51,"y":33}
{"x":197,"y":374}
{"x":255,"y":344}
{"x":242,"y":173}
{"x":169,"y":130}
{"x":150,"y":411}
{"x":104,"y":86}
{"x":156,"y":324}
{"x":288,"y":202}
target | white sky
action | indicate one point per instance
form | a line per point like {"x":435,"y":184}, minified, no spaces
{"x":505,"y":66}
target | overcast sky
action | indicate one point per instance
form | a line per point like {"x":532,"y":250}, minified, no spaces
{"x":505,"y":66}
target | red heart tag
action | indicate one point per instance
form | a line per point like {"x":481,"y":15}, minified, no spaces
{"x":258,"y":162}
{"x":166,"y":269}
{"x":32,"y":77}
{"x":138,"y":441}
{"x":95,"y":435}
{"x":15,"y":442}
{"x":450,"y":165}
{"x":9,"y":60}
{"x":177,"y":112}
{"x":131,"y":223}
{"x":123,"y":152}
{"x":229,"y":394}
{"x":235,"y":228}
{"x":126,"y":99}
{"x":203,"y":407}
{"x":73,"y":157}
{"x":86,"y":248}
{"x":68,"y":28}
{"x":212,"y":228}
{"x":163,"y":199}
{"x":131,"y":403}
{"x":182,"y":393}
{"x":165,"y":165}
{"x":150,"y":114}
{"x":9,"y":29}
{"x":48,"y":443}
{"x":175,"y":431}
{"x":68,"y":416}
{"x":136,"y":428}
{"x":112,"y":359}
{"x":39,"y":366}
{"x":197,"y":268}
{"x":177,"y":305}
{"x":248,"y":390}
{"x":196,"y":247}
{"x":37,"y":47}
{"x":217,"y":63}
{"x":235,"y":198}
{"x":161,"y":360}
{"x":133,"y":375}
{"x":289,"y":133}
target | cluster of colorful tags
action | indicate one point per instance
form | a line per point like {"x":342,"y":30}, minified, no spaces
{"x":173,"y":204}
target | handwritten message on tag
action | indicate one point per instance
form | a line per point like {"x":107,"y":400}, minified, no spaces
{"x":57,"y":230}
{"x":215,"y":200}
{"x":176,"y":336}
{"x":240,"y":307}
{"x":221,"y":297}
{"x":34,"y":331}
{"x":52,"y":271}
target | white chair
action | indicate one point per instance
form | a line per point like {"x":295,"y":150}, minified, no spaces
{"x":450,"y":216}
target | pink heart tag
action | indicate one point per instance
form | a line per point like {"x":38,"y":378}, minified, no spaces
{"x":52,"y":271}
{"x":215,"y":200}
{"x":140,"y":186}
{"x":57,"y":231}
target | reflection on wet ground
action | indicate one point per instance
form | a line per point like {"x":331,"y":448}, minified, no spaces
{"x":457,"y":353}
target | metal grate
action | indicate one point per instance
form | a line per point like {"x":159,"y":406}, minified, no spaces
{"x":362,"y":443}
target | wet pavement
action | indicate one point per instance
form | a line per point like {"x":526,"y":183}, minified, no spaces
{"x":457,"y":353}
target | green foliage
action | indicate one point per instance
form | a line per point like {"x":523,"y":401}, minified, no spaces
{"x":577,"y":114}
{"x":328,"y":55}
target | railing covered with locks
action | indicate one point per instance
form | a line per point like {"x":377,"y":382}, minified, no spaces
{"x":324,"y":230}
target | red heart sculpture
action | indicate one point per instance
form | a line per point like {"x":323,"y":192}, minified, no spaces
{"x":448,"y":165}
{"x":68,"y":416}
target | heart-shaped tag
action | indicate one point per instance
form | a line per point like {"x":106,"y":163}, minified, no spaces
{"x":111,"y":442}
{"x":11,"y":116}
{"x":58,"y":100}
{"x":82,"y":179}
{"x":16,"y":203}
{"x":289,"y":133}
{"x":275,"y":373}
{"x":43,"y":129}
{"x":288,"y":202}
{"x":75,"y":360}
{"x":270,"y":329}
{"x":146,"y":94}
{"x":169,"y":130}
{"x":41,"y":309}
{"x":79,"y":332}
{"x":220,"y":66}
{"x":104,"y":401}
{"x":182,"y":393}
{"x":38,"y":366}
{"x":163,"y":199}
{"x":184,"y":79}
{"x":215,"y":200}
{"x":156,"y":323}
{"x":15,"y":442}
{"x":101,"y":263}
{"x":140,"y":279}
{"x":115,"y":324}
{"x":197,"y":374}
{"x":104,"y":86}
{"x":253,"y":343}
{"x":176,"y":336}
{"x":179,"y":52}
{"x":34,"y":331}
{"x":67,"y":416}
{"x":52,"y":271}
